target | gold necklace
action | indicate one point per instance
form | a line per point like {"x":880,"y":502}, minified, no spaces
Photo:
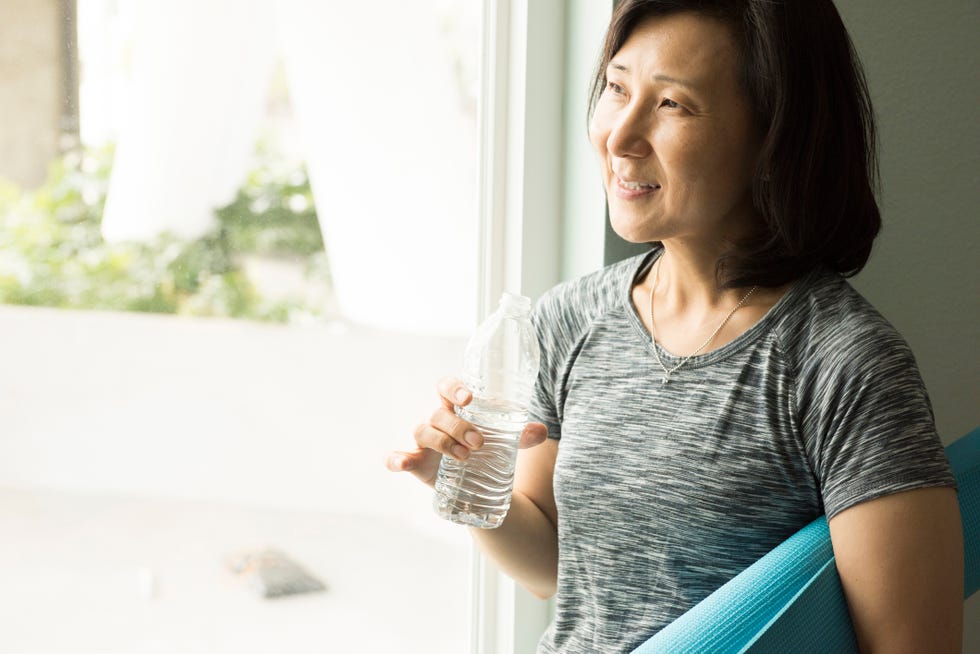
{"x":653,"y":330}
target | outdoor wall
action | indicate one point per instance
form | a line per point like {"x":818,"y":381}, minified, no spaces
{"x":30,"y":88}
{"x":295,"y":418}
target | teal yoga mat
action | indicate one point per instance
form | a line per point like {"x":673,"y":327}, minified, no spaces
{"x":791,"y":600}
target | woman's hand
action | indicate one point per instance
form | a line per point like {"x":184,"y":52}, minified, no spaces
{"x":525,"y":546}
{"x":447,"y":433}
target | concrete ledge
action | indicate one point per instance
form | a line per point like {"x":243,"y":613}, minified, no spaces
{"x":212,"y":409}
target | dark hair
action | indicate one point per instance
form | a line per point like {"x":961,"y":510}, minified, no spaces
{"x":814,"y":186}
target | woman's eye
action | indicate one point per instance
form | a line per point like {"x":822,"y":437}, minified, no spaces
{"x":667,"y":102}
{"x":614,"y":87}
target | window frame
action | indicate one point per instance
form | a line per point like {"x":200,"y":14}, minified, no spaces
{"x":536,"y":59}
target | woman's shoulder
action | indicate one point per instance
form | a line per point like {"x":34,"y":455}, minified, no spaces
{"x":831,"y":322}
{"x":581,"y":300}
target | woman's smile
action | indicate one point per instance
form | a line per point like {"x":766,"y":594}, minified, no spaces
{"x":631,"y":190}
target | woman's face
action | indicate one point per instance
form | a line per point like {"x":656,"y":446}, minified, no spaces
{"x":674,"y":133}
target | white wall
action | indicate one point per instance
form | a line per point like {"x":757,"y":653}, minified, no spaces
{"x":224,"y":410}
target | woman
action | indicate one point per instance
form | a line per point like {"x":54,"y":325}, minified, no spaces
{"x":700,"y":403}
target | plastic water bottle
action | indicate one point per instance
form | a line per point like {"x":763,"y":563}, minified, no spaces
{"x":499,"y":368}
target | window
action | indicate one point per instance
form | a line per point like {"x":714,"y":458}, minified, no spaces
{"x":146,"y":454}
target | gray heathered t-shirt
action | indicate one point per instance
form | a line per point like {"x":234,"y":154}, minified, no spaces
{"x":665,"y":492}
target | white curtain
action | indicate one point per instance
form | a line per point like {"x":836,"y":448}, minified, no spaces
{"x":200,"y":72}
{"x":391,"y":157}
{"x":378,"y":89}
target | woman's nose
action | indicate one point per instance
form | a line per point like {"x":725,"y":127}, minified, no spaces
{"x":629,"y":133}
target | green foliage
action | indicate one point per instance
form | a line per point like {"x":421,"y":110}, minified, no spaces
{"x":272,"y":214}
{"x":53,"y":253}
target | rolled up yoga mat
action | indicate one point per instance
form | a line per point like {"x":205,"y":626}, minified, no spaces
{"x":791,"y":599}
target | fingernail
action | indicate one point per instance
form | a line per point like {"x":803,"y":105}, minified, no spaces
{"x":472,"y":438}
{"x":461,"y":395}
{"x":459,"y":451}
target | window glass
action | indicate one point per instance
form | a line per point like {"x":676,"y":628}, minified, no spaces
{"x":238,"y":250}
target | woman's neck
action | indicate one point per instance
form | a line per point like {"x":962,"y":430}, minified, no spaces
{"x":687,"y":279}
{"x":682,"y":290}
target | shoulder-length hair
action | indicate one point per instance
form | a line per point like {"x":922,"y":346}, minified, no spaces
{"x":814,"y":186}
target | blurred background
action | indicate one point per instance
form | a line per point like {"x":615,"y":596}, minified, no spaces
{"x":237,"y":248}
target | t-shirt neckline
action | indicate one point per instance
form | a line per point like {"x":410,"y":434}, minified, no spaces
{"x":742,"y":341}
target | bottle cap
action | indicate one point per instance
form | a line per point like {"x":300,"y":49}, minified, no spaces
{"x":518,"y":303}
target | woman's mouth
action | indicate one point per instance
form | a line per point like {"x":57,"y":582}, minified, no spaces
{"x":634,"y":189}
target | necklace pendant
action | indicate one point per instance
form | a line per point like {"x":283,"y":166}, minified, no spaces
{"x":663,"y":382}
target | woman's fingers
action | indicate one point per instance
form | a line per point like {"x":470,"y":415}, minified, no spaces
{"x":453,"y":392}
{"x":449,"y":434}
{"x":424,"y":464}
{"x":445,"y":433}
{"x":399,"y":461}
{"x":447,"y":425}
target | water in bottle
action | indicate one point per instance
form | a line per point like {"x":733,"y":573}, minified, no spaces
{"x":499,"y":368}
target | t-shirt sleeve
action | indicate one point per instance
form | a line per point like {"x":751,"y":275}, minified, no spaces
{"x":562,"y":319}
{"x":544,"y":401}
{"x":867,"y":420}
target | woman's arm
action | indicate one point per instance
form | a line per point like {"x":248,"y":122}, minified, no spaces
{"x":525,"y":545}
{"x":900,"y":559}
